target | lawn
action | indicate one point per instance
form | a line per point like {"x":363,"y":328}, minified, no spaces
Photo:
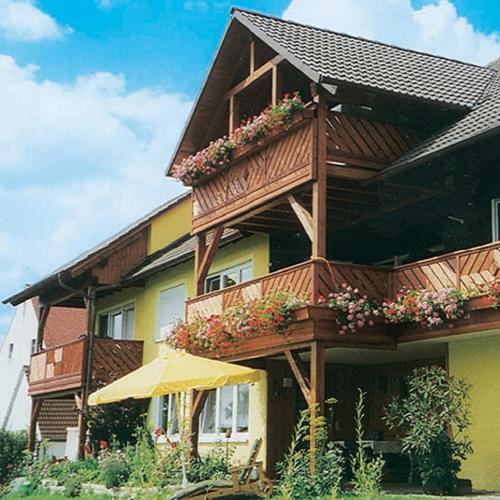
{"x":46,"y":496}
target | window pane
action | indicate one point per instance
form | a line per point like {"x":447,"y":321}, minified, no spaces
{"x":207,"y":417}
{"x":226,"y":409}
{"x":116,"y":325}
{"x":162,"y":412}
{"x":103,"y":325}
{"x":246,"y":273}
{"x":243,"y":408}
{"x":213,"y":284}
{"x":128,"y":323}
{"x":231,"y":278}
{"x":170,"y":310}
{"x":173,"y":417}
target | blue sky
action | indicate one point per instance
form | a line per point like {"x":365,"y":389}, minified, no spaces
{"x":94,"y":93}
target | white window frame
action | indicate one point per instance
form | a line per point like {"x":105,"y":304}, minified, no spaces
{"x":212,"y":437}
{"x":158,"y":408}
{"x":112,"y":312}
{"x":495,"y":229}
{"x":247,"y":264}
{"x":161,"y":332}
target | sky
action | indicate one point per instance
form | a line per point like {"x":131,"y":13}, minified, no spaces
{"x":94,"y":95}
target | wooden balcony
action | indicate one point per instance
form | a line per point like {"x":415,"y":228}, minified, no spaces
{"x":259,"y":176}
{"x":61,"y":368}
{"x":464,"y":270}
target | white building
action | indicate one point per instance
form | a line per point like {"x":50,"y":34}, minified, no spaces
{"x":17,"y":345}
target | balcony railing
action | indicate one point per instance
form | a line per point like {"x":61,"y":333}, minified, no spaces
{"x":62,"y":368}
{"x":465,"y":270}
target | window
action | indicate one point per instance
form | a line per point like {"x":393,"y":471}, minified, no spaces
{"x":226,"y":410}
{"x":229,"y":277}
{"x":495,"y":219}
{"x":11,"y":350}
{"x":166,"y":416}
{"x":170,"y":310}
{"x":118,"y":323}
{"x":33,"y":345}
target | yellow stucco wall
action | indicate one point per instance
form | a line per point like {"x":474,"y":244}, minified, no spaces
{"x":170,"y":225}
{"x":477,"y":360}
{"x":165,"y":229}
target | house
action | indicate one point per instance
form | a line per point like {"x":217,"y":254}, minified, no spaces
{"x":383,"y":179}
{"x":63,"y":325}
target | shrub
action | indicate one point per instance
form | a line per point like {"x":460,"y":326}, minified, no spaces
{"x":296,"y":481}
{"x":114,"y":470}
{"x":87,"y":470}
{"x":73,"y":486}
{"x":142,"y":458}
{"x":215,"y":464}
{"x":433,"y":418}
{"x":168,"y":468}
{"x":366,"y":473}
{"x":12,"y":453}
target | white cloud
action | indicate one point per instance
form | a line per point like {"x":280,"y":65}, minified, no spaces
{"x":23,"y":20}
{"x":107,"y":4}
{"x":436,"y":27}
{"x":77,"y":163}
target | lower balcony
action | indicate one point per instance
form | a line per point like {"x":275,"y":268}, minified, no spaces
{"x":61,"y":369}
{"x":464,"y":270}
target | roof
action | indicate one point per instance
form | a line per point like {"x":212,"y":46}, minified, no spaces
{"x":482,"y":120}
{"x":34,"y":289}
{"x":56,"y":415}
{"x":345,"y":59}
{"x":330,"y":58}
{"x":177,"y":252}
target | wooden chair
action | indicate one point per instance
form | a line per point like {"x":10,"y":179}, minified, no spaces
{"x":244,"y":481}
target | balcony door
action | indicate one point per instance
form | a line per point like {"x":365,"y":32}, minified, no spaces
{"x":118,"y":323}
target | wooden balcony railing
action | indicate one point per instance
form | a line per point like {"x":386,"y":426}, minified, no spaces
{"x":257,"y":173}
{"x":62,"y":368}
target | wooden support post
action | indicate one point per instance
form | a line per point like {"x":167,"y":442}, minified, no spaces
{"x":234,"y":114}
{"x":43,"y":314}
{"x":204,"y":255}
{"x":303,"y":215}
{"x":198,"y":399}
{"x":251,"y":68}
{"x":319,"y":186}
{"x":90,"y":300}
{"x":276,"y":84}
{"x":300,"y":375}
{"x":36,"y":406}
{"x":317,"y":401}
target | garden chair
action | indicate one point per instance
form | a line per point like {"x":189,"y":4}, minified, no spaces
{"x":247,"y":480}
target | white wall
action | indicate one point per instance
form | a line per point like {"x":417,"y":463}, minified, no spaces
{"x":21,"y":332}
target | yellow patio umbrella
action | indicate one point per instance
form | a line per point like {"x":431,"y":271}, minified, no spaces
{"x":173,"y":372}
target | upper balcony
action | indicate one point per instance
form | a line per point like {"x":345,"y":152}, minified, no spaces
{"x":463,"y":270}
{"x":61,"y":368}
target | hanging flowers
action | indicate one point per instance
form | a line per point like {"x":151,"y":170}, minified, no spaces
{"x":430,"y":308}
{"x":217,"y":333}
{"x":217,"y":155}
{"x":356,"y":311}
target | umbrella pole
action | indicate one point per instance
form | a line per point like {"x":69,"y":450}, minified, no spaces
{"x":182,"y":428}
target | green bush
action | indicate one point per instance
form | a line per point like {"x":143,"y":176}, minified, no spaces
{"x":87,"y":470}
{"x":142,"y":458}
{"x":433,"y":417}
{"x":168,"y":468}
{"x":115,"y":471}
{"x":296,"y":481}
{"x":366,"y":473}
{"x":215,"y":464}
{"x":73,"y":486}
{"x":12,"y":454}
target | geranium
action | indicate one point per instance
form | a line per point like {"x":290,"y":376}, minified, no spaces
{"x":219,"y":332}
{"x":217,"y":155}
{"x":356,"y":311}
{"x":430,"y":308}
{"x":493,"y":290}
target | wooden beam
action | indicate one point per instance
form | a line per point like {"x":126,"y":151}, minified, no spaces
{"x":298,"y":370}
{"x":208,"y":257}
{"x":276,"y":85}
{"x":233,"y":114}
{"x":319,"y":187}
{"x":252,"y":57}
{"x":198,"y":399}
{"x":303,"y":215}
{"x":36,"y":406}
{"x":258,"y":73}
{"x":43,"y":314}
{"x":351,"y":173}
